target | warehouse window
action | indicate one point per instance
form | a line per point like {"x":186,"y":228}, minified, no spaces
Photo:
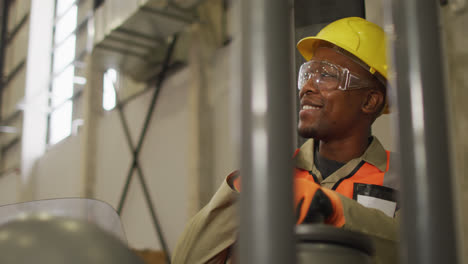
{"x":109,"y":87}
{"x":63,"y":71}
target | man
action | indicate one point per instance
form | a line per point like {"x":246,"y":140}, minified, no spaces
{"x":342,"y":173}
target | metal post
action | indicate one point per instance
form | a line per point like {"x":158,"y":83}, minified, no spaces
{"x":428,"y":222}
{"x":267,"y":221}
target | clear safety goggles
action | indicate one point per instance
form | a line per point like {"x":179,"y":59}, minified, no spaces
{"x":328,"y":76}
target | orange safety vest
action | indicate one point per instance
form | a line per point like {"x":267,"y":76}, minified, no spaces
{"x":364,"y":173}
{"x":366,"y":184}
{"x":366,"y":180}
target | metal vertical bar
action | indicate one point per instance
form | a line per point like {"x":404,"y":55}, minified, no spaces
{"x":267,"y":222}
{"x":428,"y":222}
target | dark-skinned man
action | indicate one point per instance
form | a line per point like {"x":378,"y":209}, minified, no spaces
{"x":342,"y":91}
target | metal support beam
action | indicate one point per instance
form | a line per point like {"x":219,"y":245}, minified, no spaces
{"x":187,"y":9}
{"x":130,"y":42}
{"x":81,"y":26}
{"x":428,"y":223}
{"x":267,"y":221}
{"x":6,"y":79}
{"x":4,"y":7}
{"x":123,"y":51}
{"x":10,"y":144}
{"x":64,"y":12}
{"x":167,"y":14}
{"x":136,"y":34}
{"x":136,"y":151}
{"x":10,"y":118}
{"x":77,"y":62}
{"x":17,"y":28}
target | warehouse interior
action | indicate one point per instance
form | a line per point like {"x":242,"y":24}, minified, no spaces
{"x":136,"y":104}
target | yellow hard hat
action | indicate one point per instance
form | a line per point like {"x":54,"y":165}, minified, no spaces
{"x":362,"y":38}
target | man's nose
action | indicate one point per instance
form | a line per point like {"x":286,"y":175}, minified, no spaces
{"x":309,"y":87}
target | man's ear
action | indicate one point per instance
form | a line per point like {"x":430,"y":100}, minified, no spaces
{"x":373,"y":102}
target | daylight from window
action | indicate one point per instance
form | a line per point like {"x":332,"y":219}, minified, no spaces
{"x":108,"y":96}
{"x":61,"y":104}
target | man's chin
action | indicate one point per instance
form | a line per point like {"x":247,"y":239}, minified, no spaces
{"x":307,"y":132}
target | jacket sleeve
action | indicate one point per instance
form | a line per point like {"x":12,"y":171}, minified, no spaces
{"x":382,"y":229}
{"x":211,"y":232}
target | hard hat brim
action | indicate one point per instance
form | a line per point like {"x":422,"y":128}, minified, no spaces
{"x":308,"y":45}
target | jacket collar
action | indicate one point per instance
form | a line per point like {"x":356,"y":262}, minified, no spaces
{"x":375,"y":154}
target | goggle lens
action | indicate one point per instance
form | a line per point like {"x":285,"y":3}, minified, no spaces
{"x":327,"y":76}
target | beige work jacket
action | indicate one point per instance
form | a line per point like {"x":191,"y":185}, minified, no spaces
{"x":212,"y":231}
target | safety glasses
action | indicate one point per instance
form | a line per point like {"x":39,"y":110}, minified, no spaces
{"x":328,"y":76}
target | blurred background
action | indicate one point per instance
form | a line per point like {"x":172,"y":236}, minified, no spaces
{"x":135,"y":103}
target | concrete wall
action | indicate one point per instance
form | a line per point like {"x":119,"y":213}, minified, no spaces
{"x":163,"y":159}
{"x":12,"y":94}
{"x":57,"y":173}
{"x":9,"y":186}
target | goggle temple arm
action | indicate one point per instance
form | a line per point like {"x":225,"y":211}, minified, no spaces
{"x":351,"y":81}
{"x":345,"y":79}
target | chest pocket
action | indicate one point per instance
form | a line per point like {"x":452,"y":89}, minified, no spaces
{"x":370,"y":187}
{"x":377,"y":197}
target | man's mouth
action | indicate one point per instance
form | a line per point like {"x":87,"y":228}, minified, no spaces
{"x":310,"y":107}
